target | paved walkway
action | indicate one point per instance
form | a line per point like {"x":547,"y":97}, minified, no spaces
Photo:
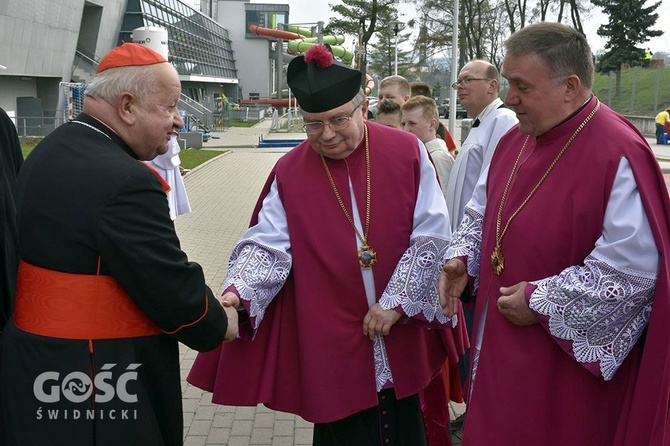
{"x":222,"y":194}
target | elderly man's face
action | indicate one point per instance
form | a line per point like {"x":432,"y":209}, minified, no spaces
{"x":157,"y":116}
{"x":331,"y":141}
{"x":537,"y":95}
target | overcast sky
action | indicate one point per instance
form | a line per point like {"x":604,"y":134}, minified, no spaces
{"x":312,"y":11}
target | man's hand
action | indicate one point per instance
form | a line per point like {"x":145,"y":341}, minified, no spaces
{"x":512,"y":304}
{"x":379,"y":320}
{"x":230,"y":299}
{"x":233,"y":329}
{"x":453,"y":280}
{"x":230,"y":302}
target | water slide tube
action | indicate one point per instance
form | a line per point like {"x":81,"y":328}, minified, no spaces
{"x":300,"y":46}
{"x":330,"y":40}
{"x":307,"y":32}
{"x":279,"y":34}
{"x":299,"y":40}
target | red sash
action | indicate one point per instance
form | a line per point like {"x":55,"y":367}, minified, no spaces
{"x":76,"y":306}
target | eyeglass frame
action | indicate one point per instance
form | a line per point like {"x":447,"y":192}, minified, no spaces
{"x":467,"y":80}
{"x":334,"y":127}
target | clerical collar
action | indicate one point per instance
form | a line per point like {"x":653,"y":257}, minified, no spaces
{"x":493,"y":105}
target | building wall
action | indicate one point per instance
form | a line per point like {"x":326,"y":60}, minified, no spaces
{"x":38,"y":41}
{"x":252,"y":56}
{"x":12,"y":87}
{"x":112,"y":16}
{"x":35,"y":41}
{"x":38,"y":45}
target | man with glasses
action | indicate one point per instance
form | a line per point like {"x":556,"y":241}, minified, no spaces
{"x":335,"y":274}
{"x":567,"y":244}
{"x":477,"y":88}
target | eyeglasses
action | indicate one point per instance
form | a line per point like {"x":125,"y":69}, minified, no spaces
{"x":467,"y":80}
{"x":335,"y":124}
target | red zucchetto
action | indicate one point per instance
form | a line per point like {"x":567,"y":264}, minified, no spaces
{"x":129,"y":55}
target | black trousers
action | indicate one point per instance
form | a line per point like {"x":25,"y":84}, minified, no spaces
{"x":392,"y":422}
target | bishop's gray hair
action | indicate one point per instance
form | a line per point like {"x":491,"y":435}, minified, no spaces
{"x":563,"y":49}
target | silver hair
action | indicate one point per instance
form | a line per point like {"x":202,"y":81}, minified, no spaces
{"x":141,"y":81}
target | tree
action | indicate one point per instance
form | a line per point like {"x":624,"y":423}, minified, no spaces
{"x":629,"y":25}
{"x":435,"y":29}
{"x":381,"y":57}
{"x":576,"y":8}
{"x":360,"y":18}
{"x":477,"y":33}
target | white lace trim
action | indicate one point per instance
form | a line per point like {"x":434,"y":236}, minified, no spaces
{"x":258,"y":272}
{"x":382,"y":366}
{"x":467,"y":242}
{"x":600,"y":308}
{"x":413,"y":286}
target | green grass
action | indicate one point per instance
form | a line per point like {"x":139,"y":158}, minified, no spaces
{"x":245,"y":124}
{"x":190,"y":158}
{"x":644,"y":89}
{"x":28,"y":144}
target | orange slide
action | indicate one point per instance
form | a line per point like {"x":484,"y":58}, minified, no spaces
{"x":279,"y":34}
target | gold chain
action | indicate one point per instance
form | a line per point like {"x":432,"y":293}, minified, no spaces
{"x":365,"y":249}
{"x":497,"y":259}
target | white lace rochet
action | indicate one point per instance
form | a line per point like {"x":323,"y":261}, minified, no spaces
{"x":258,"y":272}
{"x":603,"y":310}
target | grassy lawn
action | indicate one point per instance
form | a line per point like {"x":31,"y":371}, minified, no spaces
{"x":28,"y":144}
{"x":245,"y":124}
{"x":190,"y":158}
{"x":638,"y":90}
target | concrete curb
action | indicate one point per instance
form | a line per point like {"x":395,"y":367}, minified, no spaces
{"x":199,"y":166}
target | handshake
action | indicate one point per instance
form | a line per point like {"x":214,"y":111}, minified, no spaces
{"x":235,"y":312}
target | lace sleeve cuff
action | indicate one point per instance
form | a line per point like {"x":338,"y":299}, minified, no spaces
{"x":412,"y":289}
{"x":466,"y":242}
{"x":258,"y":273}
{"x":601,"y":310}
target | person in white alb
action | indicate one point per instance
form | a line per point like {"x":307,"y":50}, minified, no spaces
{"x":478,"y":89}
{"x":167,"y":166}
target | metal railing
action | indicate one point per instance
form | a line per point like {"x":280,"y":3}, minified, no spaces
{"x":37,"y":126}
{"x":289,"y":122}
{"x":200,"y":116}
{"x":84,"y":66}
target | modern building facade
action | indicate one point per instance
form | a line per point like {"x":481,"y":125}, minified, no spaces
{"x":258,"y":58}
{"x":44,"y":43}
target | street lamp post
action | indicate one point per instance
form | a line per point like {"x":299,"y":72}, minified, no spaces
{"x":397,"y":26}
